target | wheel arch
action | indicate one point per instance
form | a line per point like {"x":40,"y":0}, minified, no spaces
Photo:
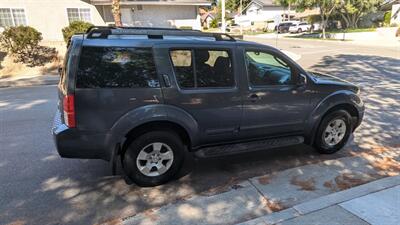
{"x":157,"y":125}
{"x":158,"y":116}
{"x":343,"y":100}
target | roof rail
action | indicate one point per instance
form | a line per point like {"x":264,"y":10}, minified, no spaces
{"x":102,"y":32}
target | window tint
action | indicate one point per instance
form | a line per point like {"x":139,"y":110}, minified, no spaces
{"x":267,"y":69}
{"x":101,"y":67}
{"x":183,"y":66}
{"x":212,"y":68}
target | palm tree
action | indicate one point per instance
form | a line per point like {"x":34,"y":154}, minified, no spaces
{"x":116,"y":11}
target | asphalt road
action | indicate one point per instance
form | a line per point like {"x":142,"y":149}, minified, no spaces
{"x":38,"y":187}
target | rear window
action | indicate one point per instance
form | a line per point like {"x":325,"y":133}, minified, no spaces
{"x":113,"y":67}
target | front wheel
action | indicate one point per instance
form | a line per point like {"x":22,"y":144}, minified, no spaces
{"x":333,"y":132}
{"x":153,"y":158}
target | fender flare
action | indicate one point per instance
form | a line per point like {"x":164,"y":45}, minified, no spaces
{"x":329,"y":102}
{"x":152,"y":113}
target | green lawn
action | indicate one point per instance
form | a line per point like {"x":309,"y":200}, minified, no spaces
{"x":353,"y":30}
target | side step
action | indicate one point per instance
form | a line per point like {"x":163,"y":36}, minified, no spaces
{"x":231,"y":149}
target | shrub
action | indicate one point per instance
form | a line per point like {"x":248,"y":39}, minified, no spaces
{"x":75,"y":27}
{"x":214,"y":23}
{"x":22,"y":42}
{"x":387,"y":17}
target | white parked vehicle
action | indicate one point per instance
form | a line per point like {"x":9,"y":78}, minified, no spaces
{"x":299,"y":27}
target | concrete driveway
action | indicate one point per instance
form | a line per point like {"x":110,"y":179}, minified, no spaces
{"x":38,"y":187}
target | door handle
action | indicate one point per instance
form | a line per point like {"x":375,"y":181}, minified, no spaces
{"x":166,"y":80}
{"x":254,"y":97}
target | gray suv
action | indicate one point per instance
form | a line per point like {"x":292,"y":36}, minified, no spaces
{"x":146,"y":96}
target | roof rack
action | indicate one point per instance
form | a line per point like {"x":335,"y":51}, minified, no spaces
{"x":102,"y":32}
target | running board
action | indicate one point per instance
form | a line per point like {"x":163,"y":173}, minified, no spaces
{"x":231,"y":149}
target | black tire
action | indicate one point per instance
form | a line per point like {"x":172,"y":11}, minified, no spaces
{"x":320,"y":144}
{"x":299,"y":30}
{"x":133,"y":149}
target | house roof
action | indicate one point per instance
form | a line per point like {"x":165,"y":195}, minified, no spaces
{"x":262,"y":3}
{"x":154,"y":2}
{"x":387,"y":4}
{"x":206,"y":15}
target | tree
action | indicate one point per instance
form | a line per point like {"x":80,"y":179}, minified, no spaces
{"x":116,"y":11}
{"x":234,"y":5}
{"x":352,"y":10}
{"x":287,"y":4}
{"x":326,"y":8}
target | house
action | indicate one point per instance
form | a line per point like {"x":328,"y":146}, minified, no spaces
{"x":260,"y":12}
{"x":50,"y":16}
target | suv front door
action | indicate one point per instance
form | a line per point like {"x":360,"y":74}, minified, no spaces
{"x":201,"y":81}
{"x":274,"y":101}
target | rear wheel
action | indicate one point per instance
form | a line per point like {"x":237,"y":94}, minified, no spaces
{"x":153,"y":158}
{"x":299,"y":30}
{"x":333,"y":132}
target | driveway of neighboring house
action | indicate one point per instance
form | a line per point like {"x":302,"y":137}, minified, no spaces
{"x":38,"y":187}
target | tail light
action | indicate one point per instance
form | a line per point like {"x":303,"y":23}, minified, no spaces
{"x":69,"y":110}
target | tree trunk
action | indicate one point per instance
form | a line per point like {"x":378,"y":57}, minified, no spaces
{"x":346,"y":20}
{"x":322,"y":14}
{"x":116,"y":11}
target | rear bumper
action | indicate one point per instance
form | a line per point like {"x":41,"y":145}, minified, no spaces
{"x":74,"y":143}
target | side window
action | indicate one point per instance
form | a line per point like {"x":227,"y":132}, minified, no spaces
{"x":267,"y":69}
{"x":211,"y":68}
{"x":183,"y":66}
{"x":113,"y":67}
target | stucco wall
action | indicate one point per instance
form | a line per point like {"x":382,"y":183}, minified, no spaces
{"x":157,"y":16}
{"x":50,"y":16}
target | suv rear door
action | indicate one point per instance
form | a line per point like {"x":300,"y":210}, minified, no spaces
{"x":203,"y":82}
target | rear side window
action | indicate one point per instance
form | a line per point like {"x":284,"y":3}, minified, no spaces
{"x":113,"y":67}
{"x":202,"y":68}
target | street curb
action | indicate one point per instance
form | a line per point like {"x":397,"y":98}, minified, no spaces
{"x":326,"y":201}
{"x":26,"y":82}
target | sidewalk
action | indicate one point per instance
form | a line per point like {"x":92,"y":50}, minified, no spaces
{"x":375,"y":203}
{"x":21,"y":81}
{"x":303,"y":194}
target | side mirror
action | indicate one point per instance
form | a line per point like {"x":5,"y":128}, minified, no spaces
{"x":302,"y":80}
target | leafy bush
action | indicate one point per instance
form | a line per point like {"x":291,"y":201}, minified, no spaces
{"x":214,"y":23}
{"x":22,"y":42}
{"x":387,"y":17}
{"x":75,"y":27}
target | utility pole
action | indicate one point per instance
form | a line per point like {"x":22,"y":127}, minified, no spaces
{"x":223,"y":24}
{"x":241,"y":14}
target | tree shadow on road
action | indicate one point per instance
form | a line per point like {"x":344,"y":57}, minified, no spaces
{"x":379,"y":80}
